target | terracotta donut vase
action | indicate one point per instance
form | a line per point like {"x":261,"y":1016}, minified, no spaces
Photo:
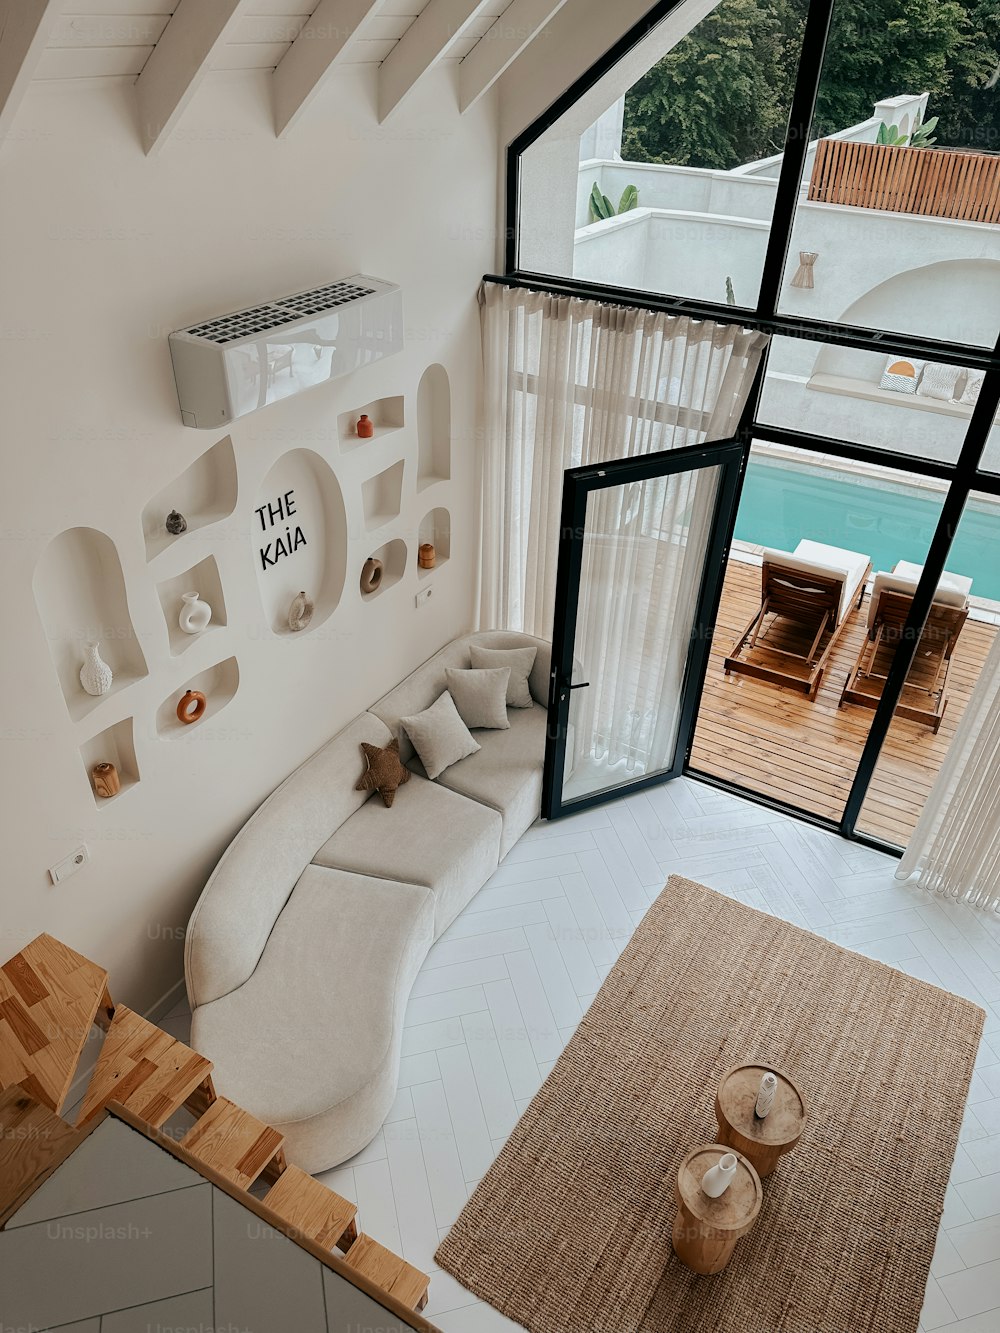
{"x":192,"y":705}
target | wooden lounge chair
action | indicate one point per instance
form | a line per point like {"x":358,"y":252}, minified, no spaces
{"x":807,"y":598}
{"x":923,"y":698}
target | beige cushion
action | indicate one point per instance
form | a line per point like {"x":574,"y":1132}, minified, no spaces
{"x":436,"y":838}
{"x":238,"y":906}
{"x":973,"y":384}
{"x":520,"y":661}
{"x":480,"y":696}
{"x":315,"y":1058}
{"x":439,"y":735}
{"x":506,"y":773}
{"x":953,"y":590}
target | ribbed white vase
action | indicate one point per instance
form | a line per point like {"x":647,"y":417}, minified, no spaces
{"x":95,"y":674}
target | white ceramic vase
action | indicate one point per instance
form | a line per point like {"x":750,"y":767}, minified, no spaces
{"x":718,"y":1178}
{"x":95,"y":674}
{"x":195,"y":614}
{"x":766,"y":1095}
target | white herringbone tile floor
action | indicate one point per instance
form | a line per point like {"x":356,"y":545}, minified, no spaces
{"x":503,"y":989}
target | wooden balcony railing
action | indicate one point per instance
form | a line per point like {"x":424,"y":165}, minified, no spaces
{"x":932,"y":182}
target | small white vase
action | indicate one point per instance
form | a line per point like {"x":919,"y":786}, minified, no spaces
{"x":195,"y":614}
{"x":95,"y":674}
{"x":766,"y":1095}
{"x":718,"y":1178}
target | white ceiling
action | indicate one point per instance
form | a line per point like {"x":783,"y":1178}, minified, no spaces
{"x":166,"y":48}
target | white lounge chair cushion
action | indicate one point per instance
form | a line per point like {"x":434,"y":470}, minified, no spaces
{"x":811,"y":557}
{"x":431,"y":836}
{"x":896,"y":582}
{"x":313,"y":1057}
{"x":950,"y":583}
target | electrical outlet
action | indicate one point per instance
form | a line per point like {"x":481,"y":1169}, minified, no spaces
{"x":69,"y":865}
{"x":424,"y":595}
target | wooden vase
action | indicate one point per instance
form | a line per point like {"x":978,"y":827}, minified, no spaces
{"x":106,"y":780}
{"x":426,"y":556}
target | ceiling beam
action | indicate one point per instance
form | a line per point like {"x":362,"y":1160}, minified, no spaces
{"x":516,"y":28}
{"x":314,"y":54}
{"x":422,"y":46}
{"x":25,"y":26}
{"x":178,"y":63}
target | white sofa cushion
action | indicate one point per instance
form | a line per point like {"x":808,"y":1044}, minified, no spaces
{"x":251,"y":884}
{"x":439,"y":735}
{"x":506,"y":773}
{"x":316,"y":1059}
{"x":431,"y":836}
{"x":480,"y":696}
{"x":519,"y":660}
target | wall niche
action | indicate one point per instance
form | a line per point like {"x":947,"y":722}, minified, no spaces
{"x":382,"y":496}
{"x":393,"y":557}
{"x":202,"y":578}
{"x":385,"y":414}
{"x":115,"y":745}
{"x":433,"y":427}
{"x":80,"y":594}
{"x":205,"y":493}
{"x":217,"y":683}
{"x":299,"y":533}
{"x":435,"y":528}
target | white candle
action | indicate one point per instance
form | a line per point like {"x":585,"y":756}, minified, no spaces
{"x":765,"y":1097}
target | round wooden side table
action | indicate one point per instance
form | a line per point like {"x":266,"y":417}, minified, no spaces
{"x":765,"y":1141}
{"x":706,"y":1230}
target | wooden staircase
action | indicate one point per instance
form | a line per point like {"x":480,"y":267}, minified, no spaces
{"x":50,"y":997}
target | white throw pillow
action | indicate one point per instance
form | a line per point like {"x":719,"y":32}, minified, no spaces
{"x":439,"y":735}
{"x":480,"y":696}
{"x":520,"y":661}
{"x":938,"y":381}
{"x":973,"y":383}
{"x":901,"y":374}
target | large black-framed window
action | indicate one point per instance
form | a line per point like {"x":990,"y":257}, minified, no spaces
{"x":964,"y":476}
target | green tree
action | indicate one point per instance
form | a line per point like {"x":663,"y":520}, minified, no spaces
{"x":722,"y":95}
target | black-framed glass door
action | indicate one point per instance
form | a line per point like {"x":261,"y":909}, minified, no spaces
{"x":642,"y":553}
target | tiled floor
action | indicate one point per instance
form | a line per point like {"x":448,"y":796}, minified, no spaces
{"x":501,"y":992}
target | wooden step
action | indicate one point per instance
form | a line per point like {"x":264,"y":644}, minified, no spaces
{"x":147,"y":1070}
{"x":33,"y":1142}
{"x":388,"y":1271}
{"x":50,"y":997}
{"x":235,"y":1144}
{"x":312,"y":1210}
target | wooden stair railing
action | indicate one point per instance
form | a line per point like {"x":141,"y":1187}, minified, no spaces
{"x":50,"y":997}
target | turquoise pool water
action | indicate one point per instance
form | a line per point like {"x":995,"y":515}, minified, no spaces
{"x":782,"y":503}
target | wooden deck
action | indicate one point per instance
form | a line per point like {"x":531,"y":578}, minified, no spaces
{"x":772,"y":740}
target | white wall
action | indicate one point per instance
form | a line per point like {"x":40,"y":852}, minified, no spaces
{"x":104,"y":251}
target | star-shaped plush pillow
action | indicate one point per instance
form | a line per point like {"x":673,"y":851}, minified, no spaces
{"x":385,"y":773}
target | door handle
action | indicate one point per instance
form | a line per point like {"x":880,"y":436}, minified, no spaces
{"x":583,"y":685}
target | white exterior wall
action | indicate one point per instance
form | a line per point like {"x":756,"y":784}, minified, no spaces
{"x":104,"y":251}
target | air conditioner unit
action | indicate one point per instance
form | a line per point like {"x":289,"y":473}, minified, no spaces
{"x":227,"y":367}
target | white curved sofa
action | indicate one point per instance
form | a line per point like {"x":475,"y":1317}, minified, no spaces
{"x":304,"y":944}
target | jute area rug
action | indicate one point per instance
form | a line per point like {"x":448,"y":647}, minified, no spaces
{"x":569,"y":1232}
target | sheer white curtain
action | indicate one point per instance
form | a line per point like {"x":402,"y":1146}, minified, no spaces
{"x":955,"y":848}
{"x":571,"y":382}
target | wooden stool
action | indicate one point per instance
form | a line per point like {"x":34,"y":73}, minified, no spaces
{"x":236,"y":1144}
{"x":312,"y":1210}
{"x":763,"y":1141}
{"x":387,"y":1271}
{"x":706,"y":1230}
{"x":147,"y":1070}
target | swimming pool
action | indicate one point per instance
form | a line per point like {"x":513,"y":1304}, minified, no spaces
{"x":783,"y":502}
